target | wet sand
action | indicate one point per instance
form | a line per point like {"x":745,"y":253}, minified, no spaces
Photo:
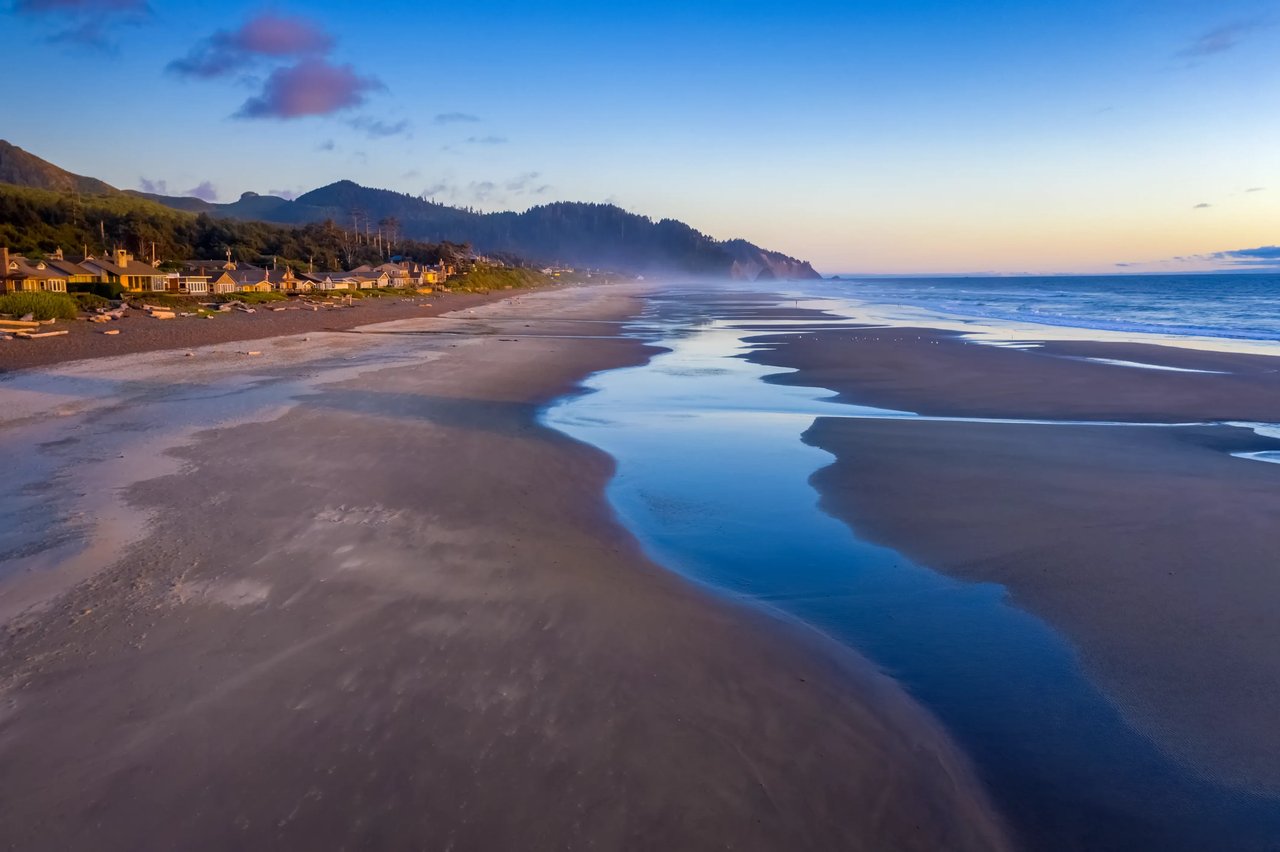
{"x":381,"y":607}
{"x":1151,"y":549}
{"x":938,"y":373}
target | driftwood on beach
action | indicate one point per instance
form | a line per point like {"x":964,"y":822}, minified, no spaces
{"x":36,"y":335}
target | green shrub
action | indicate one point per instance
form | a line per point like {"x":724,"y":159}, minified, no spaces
{"x":90,"y":301}
{"x":42,"y":305}
{"x":164,"y":300}
{"x":105,"y":289}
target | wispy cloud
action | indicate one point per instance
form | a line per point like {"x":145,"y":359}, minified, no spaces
{"x":486,"y":140}
{"x":1261,"y":258}
{"x":78,"y":6}
{"x":326,"y":145}
{"x":1261,"y":253}
{"x":526,"y":184}
{"x":456,"y":118}
{"x":1220,"y":39}
{"x":85,"y":23}
{"x":1202,"y":206}
{"x":377,"y":129}
{"x":205,"y":191}
{"x":1256,"y":189}
{"x":286,"y":194}
{"x":491,"y":193}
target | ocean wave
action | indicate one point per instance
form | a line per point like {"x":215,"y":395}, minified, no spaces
{"x":1233,"y":307}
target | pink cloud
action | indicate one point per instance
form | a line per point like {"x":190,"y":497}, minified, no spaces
{"x":311,"y":87}
{"x":279,"y":35}
{"x":267,"y":35}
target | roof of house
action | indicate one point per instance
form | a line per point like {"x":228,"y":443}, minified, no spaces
{"x":251,"y":275}
{"x":132,"y":267}
{"x":69,"y":267}
{"x":20,"y":267}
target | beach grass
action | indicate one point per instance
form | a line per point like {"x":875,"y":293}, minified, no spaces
{"x":43,"y":306}
{"x":252,"y":298}
{"x":484,"y":279}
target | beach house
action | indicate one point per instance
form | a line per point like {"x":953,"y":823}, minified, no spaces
{"x":315,"y":281}
{"x":221,"y":283}
{"x":71,"y":270}
{"x":30,"y":276}
{"x":285,"y":280}
{"x":194,"y":284}
{"x":123,"y":269}
{"x":251,"y":279}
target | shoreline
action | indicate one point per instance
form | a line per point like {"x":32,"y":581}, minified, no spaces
{"x":395,"y":609}
{"x":938,"y":373}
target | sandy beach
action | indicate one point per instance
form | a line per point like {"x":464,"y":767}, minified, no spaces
{"x":351,"y":594}
{"x":1150,"y":548}
{"x":140,"y":333}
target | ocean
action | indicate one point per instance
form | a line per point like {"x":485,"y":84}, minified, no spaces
{"x":1227,"y":306}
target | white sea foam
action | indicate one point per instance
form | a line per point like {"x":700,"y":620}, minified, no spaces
{"x":1265,"y":430}
{"x":1116,"y":362}
{"x":1012,"y":332}
{"x":1271,"y":456}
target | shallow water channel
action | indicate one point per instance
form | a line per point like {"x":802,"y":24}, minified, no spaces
{"x":713,"y":478}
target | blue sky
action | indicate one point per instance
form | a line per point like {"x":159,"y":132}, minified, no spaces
{"x":865,"y":136}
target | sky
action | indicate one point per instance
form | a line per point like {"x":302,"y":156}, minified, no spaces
{"x":899,"y":136}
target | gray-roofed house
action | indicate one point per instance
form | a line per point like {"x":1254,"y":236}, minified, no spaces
{"x":30,"y":276}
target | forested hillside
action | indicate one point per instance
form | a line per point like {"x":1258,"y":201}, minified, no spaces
{"x":37,"y":222}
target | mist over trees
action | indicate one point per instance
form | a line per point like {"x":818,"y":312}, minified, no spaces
{"x":569,"y":233}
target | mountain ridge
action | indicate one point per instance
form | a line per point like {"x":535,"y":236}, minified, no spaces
{"x":573,"y":232}
{"x":22,"y":168}
{"x":563,"y":232}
